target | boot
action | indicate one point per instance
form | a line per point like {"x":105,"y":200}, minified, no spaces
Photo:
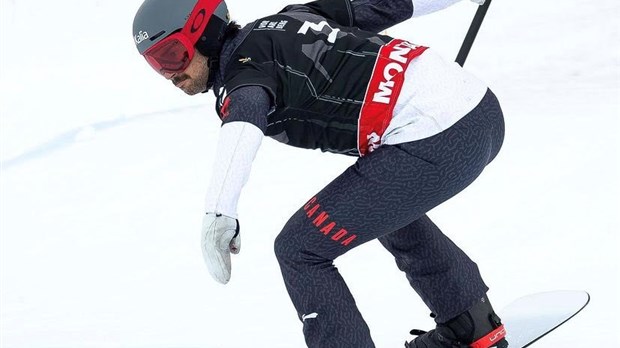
{"x":479,"y":327}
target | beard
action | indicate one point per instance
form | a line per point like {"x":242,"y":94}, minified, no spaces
{"x":194,"y":84}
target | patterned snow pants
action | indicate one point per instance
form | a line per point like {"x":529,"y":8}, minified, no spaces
{"x":386,"y":195}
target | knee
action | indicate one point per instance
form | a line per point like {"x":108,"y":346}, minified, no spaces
{"x":295,"y":245}
{"x":288,"y":243}
{"x":282,"y":246}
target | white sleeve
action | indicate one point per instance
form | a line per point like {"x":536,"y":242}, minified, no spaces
{"x":236,"y":149}
{"x":424,"y":7}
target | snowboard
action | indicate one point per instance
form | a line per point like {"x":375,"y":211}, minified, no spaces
{"x":529,"y":318}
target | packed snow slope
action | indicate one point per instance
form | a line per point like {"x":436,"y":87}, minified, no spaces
{"x":105,"y":165}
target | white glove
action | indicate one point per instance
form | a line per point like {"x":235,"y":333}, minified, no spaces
{"x":220,"y":237}
{"x":479,"y":2}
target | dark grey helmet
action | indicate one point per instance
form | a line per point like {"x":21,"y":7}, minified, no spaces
{"x":157,"y":19}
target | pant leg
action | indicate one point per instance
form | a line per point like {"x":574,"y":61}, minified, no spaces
{"x":442,"y":274}
{"x":446,"y":279}
{"x":381,"y":193}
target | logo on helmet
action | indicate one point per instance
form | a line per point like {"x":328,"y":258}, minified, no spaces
{"x":198,"y":20}
{"x":142,"y":35}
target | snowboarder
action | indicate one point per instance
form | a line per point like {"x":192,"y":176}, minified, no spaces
{"x":319,"y":75}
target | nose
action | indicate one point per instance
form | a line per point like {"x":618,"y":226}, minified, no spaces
{"x":168,"y":75}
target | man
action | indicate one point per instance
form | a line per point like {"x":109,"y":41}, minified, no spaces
{"x":319,"y":76}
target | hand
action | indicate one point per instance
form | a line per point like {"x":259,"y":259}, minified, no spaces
{"x":479,"y":2}
{"x":220,"y":237}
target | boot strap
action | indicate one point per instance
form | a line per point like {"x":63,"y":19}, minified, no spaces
{"x":491,"y":338}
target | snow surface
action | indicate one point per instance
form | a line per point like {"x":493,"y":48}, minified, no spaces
{"x":105,"y":166}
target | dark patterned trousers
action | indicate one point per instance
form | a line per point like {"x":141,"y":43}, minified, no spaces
{"x":386,"y":195}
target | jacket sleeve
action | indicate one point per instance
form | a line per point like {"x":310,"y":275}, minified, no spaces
{"x":378,"y":15}
{"x":371,"y":15}
{"x":339,"y":11}
{"x":237,"y":146}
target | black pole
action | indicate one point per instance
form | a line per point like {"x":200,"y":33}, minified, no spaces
{"x":472,"y":32}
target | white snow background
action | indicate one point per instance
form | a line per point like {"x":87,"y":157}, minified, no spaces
{"x":105,"y":165}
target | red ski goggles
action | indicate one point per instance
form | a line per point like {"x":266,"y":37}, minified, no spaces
{"x":174,"y":53}
{"x":171,"y":55}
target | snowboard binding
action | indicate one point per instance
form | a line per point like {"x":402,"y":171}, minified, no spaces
{"x":478,"y":327}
